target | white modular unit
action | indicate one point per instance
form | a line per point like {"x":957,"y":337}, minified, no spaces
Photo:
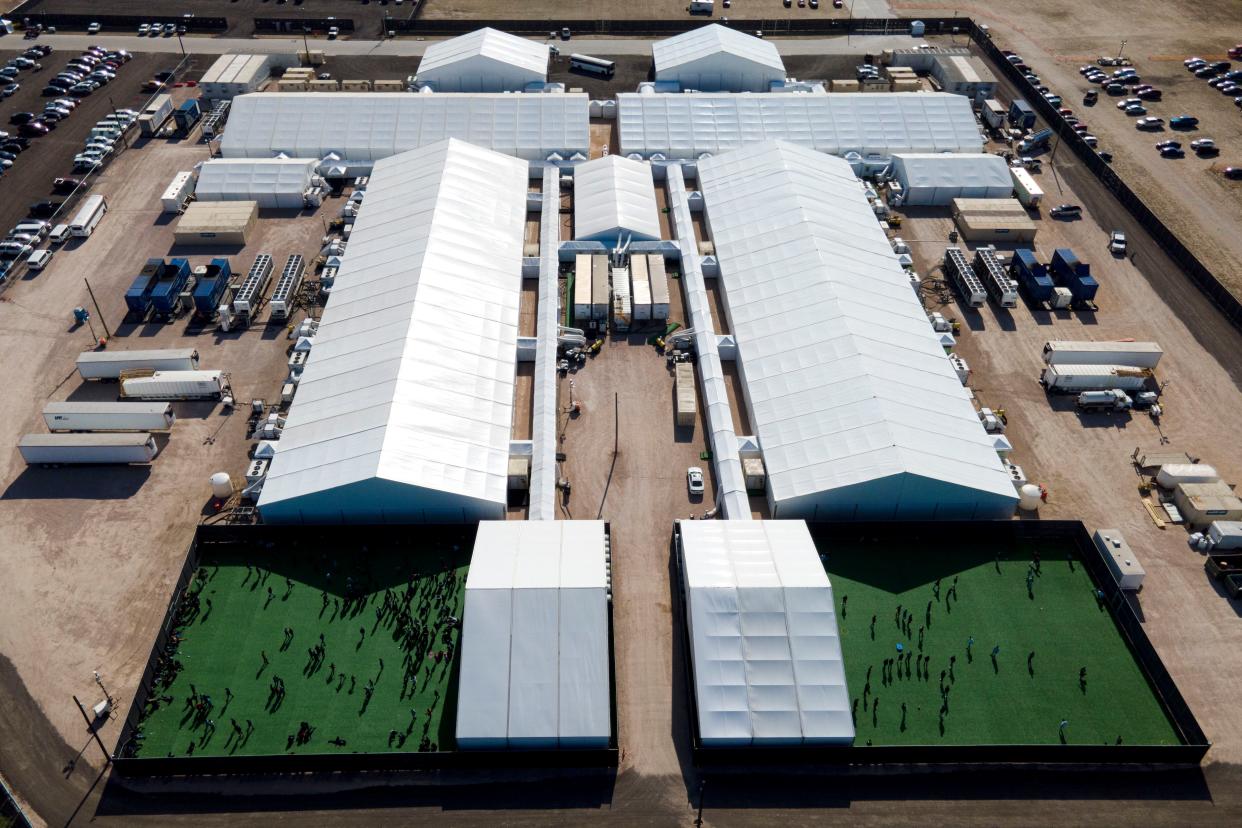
{"x":73,"y":449}
{"x":1075,"y":352}
{"x":1120,"y":559}
{"x":600,"y":290}
{"x":622,"y":302}
{"x":1025,"y":188}
{"x":486,"y":60}
{"x":582,"y":288}
{"x":685,"y":395}
{"x":994,"y":113}
{"x":286,"y":292}
{"x":108,"y":416}
{"x":718,"y":59}
{"x":178,"y":193}
{"x":233,"y":75}
{"x":156,"y":113}
{"x":640,"y":281}
{"x":1225,"y":534}
{"x":175,"y":385}
{"x":109,"y":364}
{"x":88,"y":215}
{"x":659,"y":286}
{"x":1074,"y":378}
{"x":1172,"y":475}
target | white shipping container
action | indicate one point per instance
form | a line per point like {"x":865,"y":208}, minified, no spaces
{"x":641,"y":289}
{"x":178,"y":192}
{"x":599,"y":287}
{"x":686,"y":399}
{"x":175,"y":385}
{"x":1225,"y":534}
{"x":582,"y":287}
{"x":1078,"y":352}
{"x":1172,"y":475}
{"x":994,"y":113}
{"x":1074,"y":378}
{"x":622,"y":308}
{"x":659,"y":286}
{"x":154,"y":116}
{"x":110,"y":364}
{"x":71,"y":449}
{"x":108,"y":416}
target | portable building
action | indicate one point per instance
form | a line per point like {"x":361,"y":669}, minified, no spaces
{"x":1225,"y":534}
{"x":108,"y":416}
{"x":938,"y":178}
{"x":364,"y":127}
{"x":272,"y":183}
{"x":486,"y":60}
{"x":765,"y":649}
{"x":993,"y":112}
{"x":1201,"y":504}
{"x":1027,"y":191}
{"x":874,"y":125}
{"x":718,"y":59}
{"x":535,"y":638}
{"x":659,"y":285}
{"x":685,"y":395}
{"x":964,"y":75}
{"x":866,"y":418}
{"x":217,"y":222}
{"x":1080,"y":352}
{"x":1069,"y":379}
{"x":1001,"y":220}
{"x":178,"y":192}
{"x":1172,"y":475}
{"x":614,"y":198}
{"x":640,"y":285}
{"x":233,"y":75}
{"x":1120,"y":559}
{"x":582,"y":288}
{"x":601,"y":290}
{"x":405,"y":412}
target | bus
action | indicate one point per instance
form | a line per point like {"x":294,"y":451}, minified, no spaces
{"x":88,"y":215}
{"x":592,"y":65}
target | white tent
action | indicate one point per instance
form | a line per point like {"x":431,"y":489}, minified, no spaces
{"x":534,"y":659}
{"x":614,"y":197}
{"x":404,"y":410}
{"x":764,"y":643}
{"x":715,"y":58}
{"x":938,"y":178}
{"x":860,"y":415}
{"x":871,"y":124}
{"x":486,"y":60}
{"x":368,"y":126}
{"x":272,"y":182}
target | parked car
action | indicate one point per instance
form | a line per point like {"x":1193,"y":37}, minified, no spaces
{"x":9,"y":89}
{"x":1232,"y":173}
{"x":65,"y":185}
{"x":1183,"y":122}
{"x":34,"y":129}
{"x":1192,"y":60}
{"x":1205,"y":72}
{"x":1218,"y":81}
{"x":1221,"y":66}
{"x":1150,"y":122}
{"x":1091,"y":141}
{"x":143,"y":29}
{"x":21,"y":118}
{"x":1128,"y":102}
{"x":1149,"y":94}
{"x":39,"y":259}
{"x":1117,"y":243}
{"x":43,"y":209}
{"x":1066,"y":211}
{"x":694,"y":480}
{"x":1172,"y":152}
{"x":94,"y":28}
{"x":333,"y":32}
{"x":1091,"y":97}
{"x":170,"y":29}
{"x":1136,"y":109}
{"x":1169,"y":143}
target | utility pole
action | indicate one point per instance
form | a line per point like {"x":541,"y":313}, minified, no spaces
{"x":91,"y":727}
{"x":179,"y":43}
{"x":107,"y":333}
{"x":306,"y":46}
{"x":1122,"y":47}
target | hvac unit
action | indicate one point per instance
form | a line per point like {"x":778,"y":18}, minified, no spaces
{"x":256,"y":470}
{"x":250,"y":295}
{"x":519,"y":473}
{"x":287,"y":287}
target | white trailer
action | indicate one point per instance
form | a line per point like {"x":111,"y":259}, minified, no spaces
{"x":108,"y":365}
{"x":1077,"y":352}
{"x":599,"y":288}
{"x":622,"y":305}
{"x":1120,"y":559}
{"x":1025,"y":188}
{"x":582,"y":288}
{"x":175,"y":385}
{"x":640,"y":283}
{"x":88,"y":215}
{"x":684,"y":395}
{"x":73,"y":449}
{"x":178,"y":193}
{"x":154,"y":116}
{"x":994,"y":113}
{"x":1225,"y":534}
{"x":108,"y":416}
{"x":1067,"y":379}
{"x":659,"y":286}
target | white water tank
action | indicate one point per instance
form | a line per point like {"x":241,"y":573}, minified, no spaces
{"x":917,"y":28}
{"x":1028,"y":497}
{"x":221,"y":485}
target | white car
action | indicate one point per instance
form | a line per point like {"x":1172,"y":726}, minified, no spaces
{"x":1091,"y":141}
{"x":694,"y":480}
{"x":1148,"y":123}
{"x":1117,"y":243}
{"x":143,"y":29}
{"x":94,"y":28}
{"x":333,"y":32}
{"x":1202,"y":144}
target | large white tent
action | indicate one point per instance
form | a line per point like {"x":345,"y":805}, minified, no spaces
{"x":938,"y":178}
{"x":271,"y":182}
{"x":858,"y":411}
{"x":534,"y":658}
{"x":404,"y":410}
{"x":870,"y":124}
{"x":368,"y":126}
{"x":486,"y":60}
{"x":764,"y":642}
{"x":614,"y":197}
{"x":715,"y":58}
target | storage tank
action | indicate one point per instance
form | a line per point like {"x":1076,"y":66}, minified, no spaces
{"x":1172,"y":475}
{"x":221,"y":486}
{"x":1029,"y":497}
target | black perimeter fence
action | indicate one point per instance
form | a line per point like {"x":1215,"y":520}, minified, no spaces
{"x":262,"y":540}
{"x":1189,"y":753}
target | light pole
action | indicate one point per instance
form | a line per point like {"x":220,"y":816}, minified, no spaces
{"x":1122,"y":48}
{"x":305,"y":45}
{"x":179,"y":43}
{"x":99,"y":681}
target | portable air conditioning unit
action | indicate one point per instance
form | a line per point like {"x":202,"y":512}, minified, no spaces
{"x":256,"y":470}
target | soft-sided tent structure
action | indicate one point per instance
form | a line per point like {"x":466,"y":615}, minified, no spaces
{"x":935,"y":179}
{"x":715,"y":58}
{"x":271,"y":182}
{"x":614,"y":197}
{"x":486,"y":60}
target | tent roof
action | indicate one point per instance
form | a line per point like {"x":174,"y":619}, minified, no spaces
{"x":253,"y":176}
{"x":867,"y":392}
{"x":763,"y":631}
{"x":411,"y":377}
{"x":952,"y":170}
{"x":710,"y":40}
{"x":615,"y":195}
{"x":489,"y":43}
{"x":684,"y":126}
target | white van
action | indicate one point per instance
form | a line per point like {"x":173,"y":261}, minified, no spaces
{"x":59,"y":234}
{"x":31,"y":227}
{"x":39,"y":259}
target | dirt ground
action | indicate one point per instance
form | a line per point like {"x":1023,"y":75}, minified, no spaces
{"x":602,"y":10}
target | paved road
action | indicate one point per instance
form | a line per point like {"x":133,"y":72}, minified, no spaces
{"x":415,"y":48}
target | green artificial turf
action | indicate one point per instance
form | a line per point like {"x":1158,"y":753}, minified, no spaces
{"x":1001,"y":702}
{"x":223,"y":646}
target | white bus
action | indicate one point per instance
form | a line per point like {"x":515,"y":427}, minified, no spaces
{"x":88,"y":215}
{"x":592,"y":65}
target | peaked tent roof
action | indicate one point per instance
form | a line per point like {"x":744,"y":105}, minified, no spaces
{"x":869,"y":392}
{"x":615,"y":195}
{"x":948,"y":170}
{"x":489,"y":43}
{"x":710,"y":40}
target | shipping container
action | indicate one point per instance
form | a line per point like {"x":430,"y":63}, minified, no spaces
{"x":687,"y":401}
{"x":108,"y":416}
{"x":1025,"y":188}
{"x":72,"y":449}
{"x":187,"y":115}
{"x":1021,"y":114}
{"x":993,"y":113}
{"x":755,"y":474}
{"x":1069,"y":272}
{"x":1067,"y":379}
{"x":175,"y":385}
{"x":156,"y":113}
{"x":599,"y":288}
{"x":582,"y":289}
{"x":210,"y":288}
{"x":622,"y":304}
{"x":659,"y":286}
{"x":110,"y":364}
{"x":1075,"y":352}
{"x":88,"y":216}
{"x":640,"y":283}
{"x":963,"y":277}
{"x":178,"y":192}
{"x":1225,"y":534}
{"x":1032,"y":276}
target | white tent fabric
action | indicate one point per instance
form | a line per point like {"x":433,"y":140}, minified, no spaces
{"x":486,"y":60}
{"x":860,"y":414}
{"x":715,"y":58}
{"x":938,"y":178}
{"x":272,"y":182}
{"x":534,"y":659}
{"x":368,"y":126}
{"x":545,"y":409}
{"x":871,"y":124}
{"x":404,"y":410}
{"x":615,"y":196}
{"x":764,"y":642}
